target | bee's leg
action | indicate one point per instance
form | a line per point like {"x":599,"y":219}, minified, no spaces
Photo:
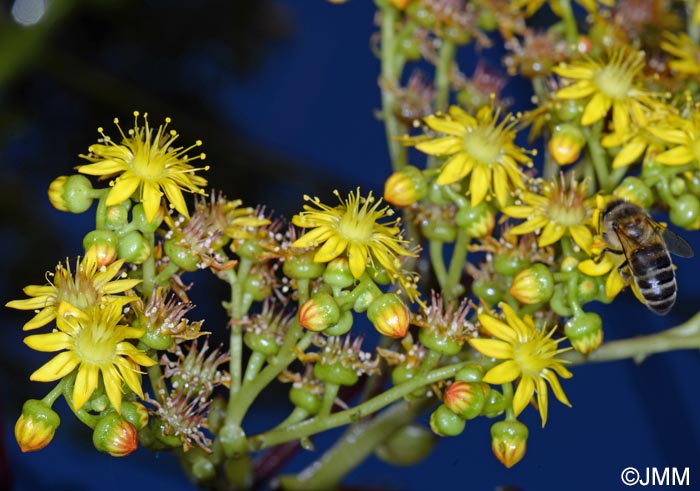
{"x":624,"y":271}
{"x":607,"y":249}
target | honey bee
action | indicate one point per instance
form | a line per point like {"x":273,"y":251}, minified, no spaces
{"x":646,"y":244}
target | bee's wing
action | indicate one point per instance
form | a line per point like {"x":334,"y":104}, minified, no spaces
{"x":676,"y":244}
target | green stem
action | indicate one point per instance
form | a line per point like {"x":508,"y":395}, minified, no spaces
{"x":429,"y":362}
{"x":296,"y":416}
{"x":683,"y":336}
{"x":255,"y":363}
{"x":599,"y":158}
{"x":391,"y":69}
{"x":55,"y":393}
{"x":442,"y":74}
{"x":438,"y":262}
{"x":149,"y":267}
{"x":164,"y":276}
{"x":353,"y":447}
{"x":569,"y":20}
{"x":236,"y":411}
{"x":67,"y":388}
{"x":508,"y":396}
{"x":459,"y":257}
{"x":329,"y":396}
{"x":319,"y":424}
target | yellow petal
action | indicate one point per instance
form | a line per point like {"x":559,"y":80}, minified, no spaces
{"x":614,"y":284}
{"x":480,"y":183}
{"x":53,"y":341}
{"x":332,"y":248}
{"x":151,"y":200}
{"x":630,"y":152}
{"x":458,"y":166}
{"x":621,"y":119}
{"x":523,"y":394}
{"x":313,"y":237}
{"x":113,"y":386}
{"x":357,"y":259}
{"x":500,"y":185}
{"x":175,"y":198}
{"x":135,"y":354}
{"x":461,"y":116}
{"x":85,"y":384}
{"x":58,"y":367}
{"x":596,"y":109}
{"x":534,"y":223}
{"x":102,"y":168}
{"x":542,"y":399}
{"x":40,"y":290}
{"x":551,"y":233}
{"x":577,"y":90}
{"x":444,"y":125}
{"x":492,"y":348}
{"x":119,"y":286}
{"x":130,"y":376}
{"x":582,"y":236}
{"x":520,"y":326}
{"x":29,"y":303}
{"x":497,"y":328}
{"x":441,"y":146}
{"x":573,"y":70}
{"x":41,"y":319}
{"x":507,"y":371}
{"x":669,"y":134}
{"x":122,"y":190}
{"x":556,"y":387}
{"x":518,"y":211}
{"x":592,"y":268}
{"x":676,"y":156}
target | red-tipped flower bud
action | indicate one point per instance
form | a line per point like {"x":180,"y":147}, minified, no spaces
{"x":115,"y":436}
{"x":465,"y":398}
{"x":135,"y":413}
{"x":134,"y":248}
{"x":509,"y":441}
{"x":36,"y":426}
{"x":405,"y":187}
{"x":444,"y":422}
{"x":477,"y":221}
{"x":105,"y":243}
{"x":319,"y":312}
{"x":389,"y":315}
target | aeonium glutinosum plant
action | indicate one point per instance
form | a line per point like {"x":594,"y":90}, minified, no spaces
{"x":489,"y":330}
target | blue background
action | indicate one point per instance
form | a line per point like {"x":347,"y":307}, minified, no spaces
{"x":298,"y":117}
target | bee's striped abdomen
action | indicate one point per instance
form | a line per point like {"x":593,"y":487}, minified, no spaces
{"x":653,"y":273}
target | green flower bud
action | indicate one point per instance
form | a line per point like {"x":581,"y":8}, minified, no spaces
{"x":465,"y":398}
{"x":303,"y":266}
{"x":407,"y":446}
{"x":487,"y":290}
{"x":389,"y":315}
{"x":421,"y":15}
{"x":135,"y":413}
{"x":303,"y":397}
{"x":365,"y":299}
{"x":117,"y":216}
{"x":477,"y":221}
{"x":378,"y":274}
{"x":411,"y":49}
{"x":568,"y":110}
{"x":494,"y":404}
{"x":201,"y":468}
{"x":444,"y":422}
{"x":233,"y":440}
{"x":441,"y":230}
{"x":156,"y":340}
{"x":509,"y":441}
{"x":405,"y":187}
{"x":509,"y":264}
{"x":569,"y":264}
{"x":106,"y":245}
{"x":180,"y":255}
{"x":319,"y":312}
{"x":677,"y":186}
{"x":133,"y":248}
{"x":114,"y":435}
{"x":36,"y":425}
{"x":343,"y":325}
{"x":257,"y":286}
{"x":692,"y":182}
{"x":635,"y":190}
{"x":335,"y":373}
{"x":685,"y":211}
{"x":437,"y":196}
{"x":250,"y":249}
{"x":470,"y":373}
{"x":261,"y":343}
{"x":138,"y":217}
{"x":73,"y":194}
{"x":337,"y":273}
{"x":585,"y":332}
{"x":440,"y":343}
{"x":533,"y":285}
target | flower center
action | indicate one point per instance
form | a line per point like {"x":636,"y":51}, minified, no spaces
{"x":96,"y":345}
{"x":355,"y":227}
{"x":566,"y":216}
{"x":484,"y":144}
{"x":529,"y":357}
{"x":615,"y":79}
